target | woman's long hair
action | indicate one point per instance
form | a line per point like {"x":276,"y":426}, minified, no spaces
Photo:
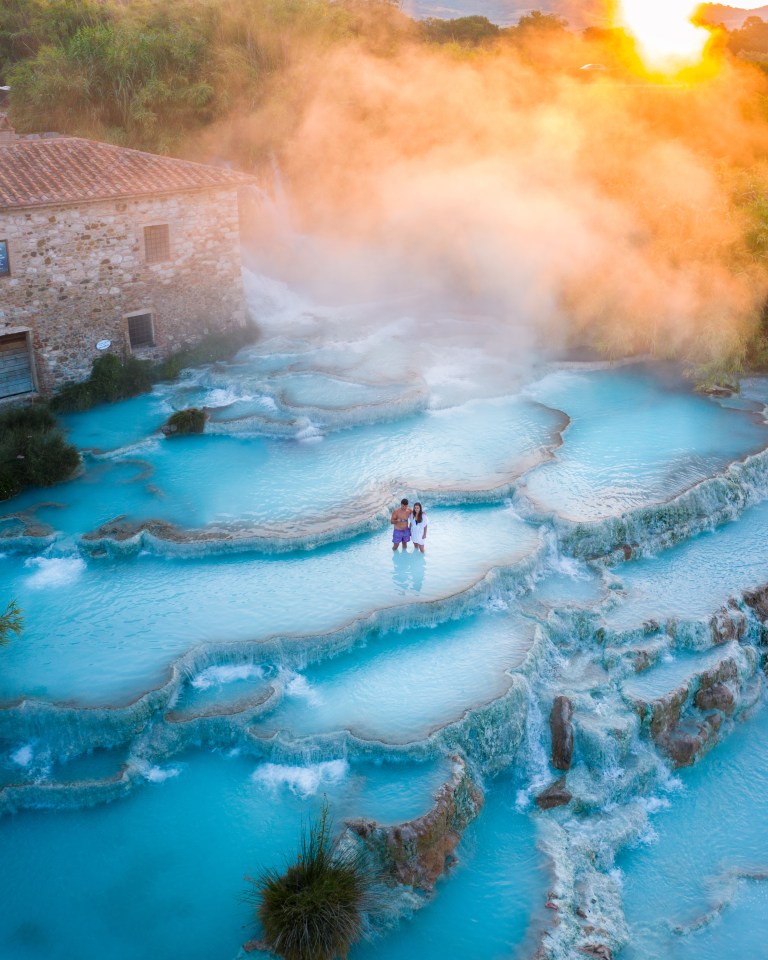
{"x":421,"y":513}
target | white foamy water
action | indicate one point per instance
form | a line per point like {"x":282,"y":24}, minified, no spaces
{"x":157,"y":774}
{"x":54,"y":571}
{"x":224,"y":397}
{"x":23,"y":756}
{"x":304,"y":781}
{"x":228,"y":673}
{"x":299,"y":686}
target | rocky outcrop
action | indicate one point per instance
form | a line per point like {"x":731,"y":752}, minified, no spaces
{"x":562,"y":733}
{"x":598,"y":950}
{"x":685,"y":722}
{"x":556,"y":795}
{"x":418,"y":852}
{"x":717,"y":697}
{"x":690,"y":739}
{"x":757,"y":600}
{"x":728,"y":623}
{"x":664,"y":713}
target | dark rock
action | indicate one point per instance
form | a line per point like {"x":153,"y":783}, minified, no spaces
{"x":690,"y":740}
{"x":725,"y":670}
{"x":253,"y":945}
{"x":664,"y":713}
{"x":599,"y":950}
{"x":642,"y":661}
{"x":556,"y":795}
{"x":728,"y":623}
{"x":758,"y":601}
{"x":718,"y":389}
{"x":562,"y":733}
{"x":417,"y":853}
{"x":717,"y":697}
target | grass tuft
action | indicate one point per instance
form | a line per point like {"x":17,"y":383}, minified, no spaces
{"x":314,"y":910}
{"x":11,"y":621}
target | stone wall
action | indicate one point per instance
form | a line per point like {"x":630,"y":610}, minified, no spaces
{"x":77,"y":271}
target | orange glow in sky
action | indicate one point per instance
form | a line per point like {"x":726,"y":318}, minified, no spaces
{"x":667,"y":38}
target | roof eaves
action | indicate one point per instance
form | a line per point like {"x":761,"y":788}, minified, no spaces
{"x":202,"y":188}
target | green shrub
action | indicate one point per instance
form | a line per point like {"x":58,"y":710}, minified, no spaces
{"x":314,"y":910}
{"x":33,"y":451}
{"x":11,"y":621}
{"x":191,"y":420}
{"x":114,"y":379}
{"x":111,"y":379}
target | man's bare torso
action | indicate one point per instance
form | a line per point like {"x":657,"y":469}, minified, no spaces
{"x":400,"y":517}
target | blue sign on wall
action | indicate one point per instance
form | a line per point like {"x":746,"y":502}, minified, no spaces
{"x":5,"y":263}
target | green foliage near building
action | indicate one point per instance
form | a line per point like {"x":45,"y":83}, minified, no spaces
{"x":11,"y":621}
{"x":33,"y":450}
{"x":314,"y":910}
{"x":113,"y":378}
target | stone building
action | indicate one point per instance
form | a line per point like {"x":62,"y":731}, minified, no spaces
{"x":105,"y":248}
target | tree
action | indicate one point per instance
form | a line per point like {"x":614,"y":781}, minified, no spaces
{"x":11,"y":621}
{"x":752,"y":38}
{"x":468,"y":31}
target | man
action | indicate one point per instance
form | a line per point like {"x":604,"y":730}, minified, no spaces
{"x":400,"y":517}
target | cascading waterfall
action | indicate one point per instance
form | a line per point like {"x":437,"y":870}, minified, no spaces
{"x":217,"y":633}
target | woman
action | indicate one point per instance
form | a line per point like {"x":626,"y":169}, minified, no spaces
{"x":418,"y":525}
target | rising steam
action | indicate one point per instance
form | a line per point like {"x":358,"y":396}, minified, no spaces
{"x":503,"y":182}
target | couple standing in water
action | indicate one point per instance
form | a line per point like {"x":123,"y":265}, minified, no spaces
{"x":410,"y":526}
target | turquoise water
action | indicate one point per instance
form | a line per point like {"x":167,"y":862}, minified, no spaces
{"x":438,"y":673}
{"x":162,"y":872}
{"x":688,"y":891}
{"x":106,"y":630}
{"x":288,"y":489}
{"x":484,"y":908}
{"x":691,"y":580}
{"x":634,"y":438}
{"x":214,"y":681}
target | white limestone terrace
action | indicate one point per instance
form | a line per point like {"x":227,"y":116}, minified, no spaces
{"x":309,"y":660}
{"x":158,"y":608}
{"x":689,"y":582}
{"x":636,"y":437}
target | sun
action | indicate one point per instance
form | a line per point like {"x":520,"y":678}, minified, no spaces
{"x":664,"y":31}
{"x":667,"y":37}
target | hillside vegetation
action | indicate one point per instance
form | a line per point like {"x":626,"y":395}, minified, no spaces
{"x":648,"y":198}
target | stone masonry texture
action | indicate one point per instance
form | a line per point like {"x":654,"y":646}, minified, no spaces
{"x":78,"y":270}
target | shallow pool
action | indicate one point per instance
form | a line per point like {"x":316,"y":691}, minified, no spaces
{"x":217,"y":633}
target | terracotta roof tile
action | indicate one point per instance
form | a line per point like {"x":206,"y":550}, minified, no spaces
{"x":62,"y":170}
